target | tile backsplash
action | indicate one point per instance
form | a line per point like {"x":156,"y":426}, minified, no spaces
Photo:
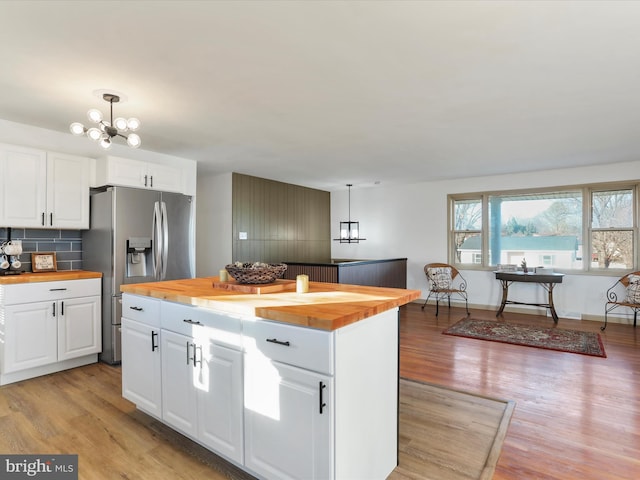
{"x":67,"y":244}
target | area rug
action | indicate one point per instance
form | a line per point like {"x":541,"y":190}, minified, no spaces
{"x":443,"y":434}
{"x":572,"y":341}
{"x":449,"y":434}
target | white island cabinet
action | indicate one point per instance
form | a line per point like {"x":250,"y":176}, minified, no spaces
{"x":183,"y":364}
{"x":48,"y":327}
{"x":281,"y":401}
{"x":141,"y":348}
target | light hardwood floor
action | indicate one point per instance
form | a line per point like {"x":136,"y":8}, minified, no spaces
{"x":576,"y":416}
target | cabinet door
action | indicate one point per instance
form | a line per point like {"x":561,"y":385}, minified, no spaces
{"x":30,"y":332}
{"x":287,"y":432}
{"x":79,"y":327}
{"x":123,"y":171}
{"x":220,"y":402}
{"x":164,"y":178}
{"x":141,"y":366}
{"x":180,"y":357}
{"x":23,"y":186}
{"x":67,"y":191}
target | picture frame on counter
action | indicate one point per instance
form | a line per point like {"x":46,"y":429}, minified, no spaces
{"x":44,"y":262}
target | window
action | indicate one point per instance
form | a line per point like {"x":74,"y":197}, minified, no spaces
{"x":550,"y":228}
{"x":467,"y":231}
{"x":534,"y":227}
{"x":612,"y":232}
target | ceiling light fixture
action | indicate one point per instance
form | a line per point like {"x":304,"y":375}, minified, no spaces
{"x":107,"y":129}
{"x":349,"y":230}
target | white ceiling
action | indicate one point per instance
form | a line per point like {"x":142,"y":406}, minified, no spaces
{"x":324,"y":93}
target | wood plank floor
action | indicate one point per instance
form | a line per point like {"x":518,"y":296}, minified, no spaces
{"x":576,"y":416}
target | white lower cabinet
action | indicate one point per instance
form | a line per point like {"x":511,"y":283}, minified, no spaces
{"x":30,"y":334}
{"x":288,"y":421}
{"x":79,"y":332}
{"x":48,"y":327}
{"x":202,"y":391}
{"x":179,"y":380}
{"x":183,"y":364}
{"x":281,"y":401}
{"x":141,"y":380}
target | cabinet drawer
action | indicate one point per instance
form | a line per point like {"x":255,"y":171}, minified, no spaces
{"x":302,"y":347}
{"x":194,"y":321}
{"x":142,"y":309}
{"x":45,"y":291}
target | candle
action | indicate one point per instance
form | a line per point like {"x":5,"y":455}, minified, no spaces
{"x":224,"y":275}
{"x":302,"y":283}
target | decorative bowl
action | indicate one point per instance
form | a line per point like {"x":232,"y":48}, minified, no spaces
{"x":256,"y":273}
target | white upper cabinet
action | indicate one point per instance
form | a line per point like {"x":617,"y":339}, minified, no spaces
{"x":67,"y":191}
{"x":41,"y":189}
{"x":176,"y":177}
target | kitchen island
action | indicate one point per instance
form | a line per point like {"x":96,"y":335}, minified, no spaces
{"x":283,"y":385}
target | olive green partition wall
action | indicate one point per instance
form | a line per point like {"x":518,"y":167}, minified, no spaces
{"x":279,"y":222}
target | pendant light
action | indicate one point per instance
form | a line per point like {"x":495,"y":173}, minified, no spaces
{"x":349,"y":230}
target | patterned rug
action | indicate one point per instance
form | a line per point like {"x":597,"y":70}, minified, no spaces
{"x":573,"y":341}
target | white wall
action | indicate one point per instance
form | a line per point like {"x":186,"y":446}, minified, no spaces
{"x":411,"y":221}
{"x":214,"y":230}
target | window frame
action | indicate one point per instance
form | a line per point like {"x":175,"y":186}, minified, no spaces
{"x":586,"y":190}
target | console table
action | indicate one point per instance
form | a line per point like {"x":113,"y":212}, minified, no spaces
{"x":545,"y":280}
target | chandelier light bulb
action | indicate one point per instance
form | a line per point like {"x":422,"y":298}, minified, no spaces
{"x":133,"y":124}
{"x":105,"y":141}
{"x":77,"y":128}
{"x":94,"y":115}
{"x":133,"y":140}
{"x":94,"y":133}
{"x":121,"y":124}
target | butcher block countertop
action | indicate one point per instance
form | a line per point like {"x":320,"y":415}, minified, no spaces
{"x":327,"y":306}
{"x":48,"y":276}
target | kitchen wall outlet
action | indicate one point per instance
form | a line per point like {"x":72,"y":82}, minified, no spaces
{"x":243,"y":236}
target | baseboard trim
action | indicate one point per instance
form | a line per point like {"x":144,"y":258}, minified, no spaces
{"x":534,"y":311}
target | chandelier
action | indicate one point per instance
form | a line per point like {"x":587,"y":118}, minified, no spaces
{"x":349,"y":230}
{"x":106,"y":130}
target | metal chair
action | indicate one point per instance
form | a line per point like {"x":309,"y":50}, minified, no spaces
{"x":628,"y":287}
{"x":445,"y":280}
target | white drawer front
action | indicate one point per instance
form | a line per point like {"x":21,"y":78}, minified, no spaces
{"x":193,"y":321}
{"x":299,"y":346}
{"x":45,"y":291}
{"x":142,"y":309}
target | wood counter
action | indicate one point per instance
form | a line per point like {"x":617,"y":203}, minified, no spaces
{"x":327,"y":306}
{"x":48,"y":276}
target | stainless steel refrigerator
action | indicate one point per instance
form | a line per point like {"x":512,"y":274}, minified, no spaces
{"x":136,"y":236}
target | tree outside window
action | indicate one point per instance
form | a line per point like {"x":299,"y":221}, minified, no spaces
{"x":467,"y":226}
{"x":612,"y":233}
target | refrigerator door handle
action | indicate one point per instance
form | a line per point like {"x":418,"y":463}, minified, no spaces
{"x":165,"y":240}
{"x":156,"y":244}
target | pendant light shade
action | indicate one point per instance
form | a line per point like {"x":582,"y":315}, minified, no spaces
{"x":349,"y":230}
